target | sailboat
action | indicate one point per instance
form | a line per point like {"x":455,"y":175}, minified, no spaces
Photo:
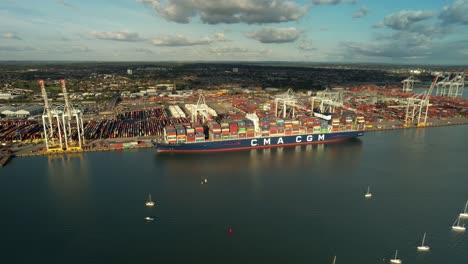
{"x":368,"y":194}
{"x":422,"y":247}
{"x":456,"y":225}
{"x":465,"y":213}
{"x":149,"y":203}
{"x":334,"y":260}
{"x":395,"y":259}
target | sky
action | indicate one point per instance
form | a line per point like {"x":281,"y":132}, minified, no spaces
{"x":335,"y":31}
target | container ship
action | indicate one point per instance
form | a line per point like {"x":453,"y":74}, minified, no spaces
{"x":252,"y":133}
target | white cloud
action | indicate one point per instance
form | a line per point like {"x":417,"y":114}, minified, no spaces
{"x":10,"y":35}
{"x":379,"y":25}
{"x":143,"y":50}
{"x":361,"y":13}
{"x":181,"y":40}
{"x":405,"y":18}
{"x":275,"y":35}
{"x":117,"y":35}
{"x":16,"y":48}
{"x":229,"y":11}
{"x":306,"y":45}
{"x":456,"y":13}
{"x":333,"y":2}
{"x":66,"y":4}
{"x":219,"y":50}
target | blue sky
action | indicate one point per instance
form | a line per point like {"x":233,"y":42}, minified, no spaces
{"x":397,"y":31}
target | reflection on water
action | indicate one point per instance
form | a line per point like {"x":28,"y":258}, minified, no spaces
{"x":68,"y":181}
{"x":322,"y":156}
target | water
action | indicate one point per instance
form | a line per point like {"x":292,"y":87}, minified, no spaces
{"x":296,"y":205}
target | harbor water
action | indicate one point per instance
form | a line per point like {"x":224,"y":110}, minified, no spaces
{"x":291,"y":205}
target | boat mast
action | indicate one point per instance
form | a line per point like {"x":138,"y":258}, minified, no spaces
{"x":465,"y":207}
{"x":424,"y":238}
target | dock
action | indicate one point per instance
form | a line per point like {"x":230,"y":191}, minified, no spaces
{"x":4,"y":159}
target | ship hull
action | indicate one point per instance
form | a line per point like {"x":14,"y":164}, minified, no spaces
{"x":259,"y":142}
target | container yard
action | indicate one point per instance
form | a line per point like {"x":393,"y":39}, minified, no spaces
{"x":221,"y":116}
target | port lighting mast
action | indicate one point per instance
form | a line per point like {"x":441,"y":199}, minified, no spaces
{"x":49,"y":114}
{"x":408,"y":84}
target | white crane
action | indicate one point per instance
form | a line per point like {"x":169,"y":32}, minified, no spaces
{"x":408,"y":84}
{"x":418,"y":106}
{"x":287,"y":99}
{"x":50,"y":114}
{"x":67,"y":118}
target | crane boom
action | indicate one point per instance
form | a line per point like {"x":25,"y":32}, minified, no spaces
{"x":46,"y":105}
{"x":65,"y":96}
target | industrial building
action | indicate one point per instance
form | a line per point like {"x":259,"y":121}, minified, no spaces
{"x":22,"y":111}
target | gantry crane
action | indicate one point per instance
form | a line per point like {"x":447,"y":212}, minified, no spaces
{"x":48,"y":123}
{"x":200,"y":108}
{"x":408,"y":84}
{"x":285,"y":100}
{"x":418,"y":106}
{"x":451,"y":87}
{"x":69,"y":126}
{"x":327,"y":101}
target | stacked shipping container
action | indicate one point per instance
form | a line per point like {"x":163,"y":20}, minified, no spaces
{"x":238,"y":129}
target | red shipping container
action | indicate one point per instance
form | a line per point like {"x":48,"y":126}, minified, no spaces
{"x":190,"y":138}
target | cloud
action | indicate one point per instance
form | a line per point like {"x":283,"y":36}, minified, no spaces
{"x":378,"y":25}
{"x":405,"y":18}
{"x":456,"y":13}
{"x":306,"y":45}
{"x":388,"y":50}
{"x":219,"y":50}
{"x":74,"y":49}
{"x":180,"y":40}
{"x":361,"y":13}
{"x":333,"y":2}
{"x":10,"y":35}
{"x":16,"y":48}
{"x":229,"y":11}
{"x":275,"y":35}
{"x":62,"y":2}
{"x":239,"y":51}
{"x":117,"y":35}
{"x":143,"y":50}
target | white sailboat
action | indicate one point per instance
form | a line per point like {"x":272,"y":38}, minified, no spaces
{"x":149,"y":218}
{"x":334,"y":260}
{"x":149,"y":203}
{"x":465,"y":213}
{"x":422,"y":247}
{"x":395,"y":259}
{"x":368,"y":194}
{"x":456,"y":225}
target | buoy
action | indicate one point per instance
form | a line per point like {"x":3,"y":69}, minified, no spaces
{"x":230,"y":230}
